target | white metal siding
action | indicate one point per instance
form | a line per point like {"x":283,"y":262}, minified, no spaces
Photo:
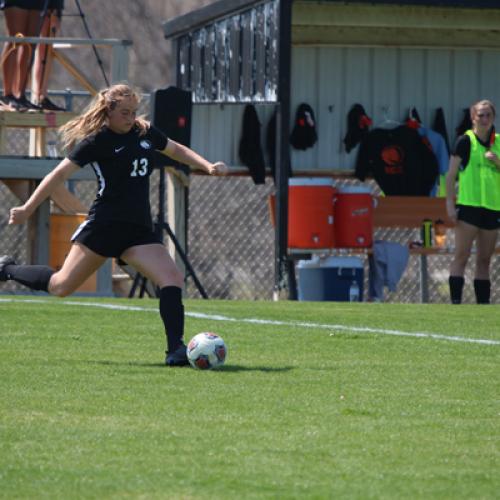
{"x":386,"y":81}
{"x":216,"y":130}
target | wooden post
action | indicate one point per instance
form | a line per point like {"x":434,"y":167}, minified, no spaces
{"x":37,"y":141}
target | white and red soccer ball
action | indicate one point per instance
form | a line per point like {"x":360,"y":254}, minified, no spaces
{"x":206,"y":350}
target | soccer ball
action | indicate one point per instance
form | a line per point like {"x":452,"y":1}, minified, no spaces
{"x":206,"y":350}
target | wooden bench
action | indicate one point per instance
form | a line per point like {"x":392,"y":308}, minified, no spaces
{"x":409,"y":212}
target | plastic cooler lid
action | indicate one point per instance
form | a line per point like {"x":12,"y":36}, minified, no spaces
{"x":310,"y":181}
{"x":336,"y":262}
{"x":354,"y":189}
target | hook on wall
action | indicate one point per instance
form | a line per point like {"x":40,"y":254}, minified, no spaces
{"x":331,"y":108}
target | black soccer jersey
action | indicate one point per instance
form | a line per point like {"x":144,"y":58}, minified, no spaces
{"x":122,"y":164}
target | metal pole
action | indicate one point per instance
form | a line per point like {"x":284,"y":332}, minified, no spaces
{"x":424,"y":280}
{"x":283,"y":147}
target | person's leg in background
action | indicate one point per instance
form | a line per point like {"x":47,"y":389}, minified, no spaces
{"x":43,"y":63}
{"x":16,"y":58}
{"x":15,"y":21}
{"x":464,"y":237}
{"x":25,"y":58}
{"x":486,"y":243}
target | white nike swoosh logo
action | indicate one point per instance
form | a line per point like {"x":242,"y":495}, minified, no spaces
{"x":117,"y":150}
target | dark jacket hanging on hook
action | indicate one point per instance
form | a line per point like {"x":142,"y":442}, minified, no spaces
{"x":304,"y":134}
{"x":439,"y":126}
{"x":414,"y":114}
{"x":250,"y":150}
{"x":465,"y":124}
{"x":358,"y":123}
{"x":413,"y":120}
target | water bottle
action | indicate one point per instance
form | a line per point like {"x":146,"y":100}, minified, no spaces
{"x":52,"y":149}
{"x":354,"y":292}
{"x":426,"y":232}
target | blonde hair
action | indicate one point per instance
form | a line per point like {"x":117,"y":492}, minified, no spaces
{"x":95,"y":115}
{"x":480,"y":104}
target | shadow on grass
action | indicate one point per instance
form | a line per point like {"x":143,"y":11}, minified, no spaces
{"x":225,"y":368}
{"x":241,"y":368}
{"x":125,"y":363}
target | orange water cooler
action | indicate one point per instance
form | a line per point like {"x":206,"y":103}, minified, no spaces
{"x":310,"y":213}
{"x":353,"y":217}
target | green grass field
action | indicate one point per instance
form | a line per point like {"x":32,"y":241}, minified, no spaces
{"x":363,"y":408}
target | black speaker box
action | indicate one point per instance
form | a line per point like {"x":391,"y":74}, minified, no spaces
{"x":172,"y":109}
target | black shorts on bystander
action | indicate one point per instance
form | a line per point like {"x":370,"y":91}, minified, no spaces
{"x":480,"y":217}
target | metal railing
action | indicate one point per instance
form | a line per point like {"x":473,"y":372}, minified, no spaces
{"x":119,"y":51}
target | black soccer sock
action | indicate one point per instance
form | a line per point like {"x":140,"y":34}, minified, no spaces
{"x":456,"y":286}
{"x":172,"y":314}
{"x":482,"y":288}
{"x":34,"y":277}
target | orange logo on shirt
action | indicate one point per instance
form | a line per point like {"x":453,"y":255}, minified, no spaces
{"x":393,"y":157}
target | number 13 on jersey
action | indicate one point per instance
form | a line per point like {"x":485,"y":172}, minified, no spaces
{"x":140,"y":167}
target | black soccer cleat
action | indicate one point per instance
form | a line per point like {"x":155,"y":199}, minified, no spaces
{"x":5,"y":260}
{"x":177,"y":357}
{"x":47,"y":105}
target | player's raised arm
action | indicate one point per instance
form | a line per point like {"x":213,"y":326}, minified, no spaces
{"x":63,"y":171}
{"x":183,"y":154}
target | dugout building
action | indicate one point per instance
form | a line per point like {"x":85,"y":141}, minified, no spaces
{"x":389,"y":56}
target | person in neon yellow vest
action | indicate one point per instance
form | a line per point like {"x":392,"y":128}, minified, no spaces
{"x":476,"y":208}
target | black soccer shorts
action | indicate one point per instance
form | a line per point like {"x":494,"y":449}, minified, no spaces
{"x":483,"y":218}
{"x":111,"y":239}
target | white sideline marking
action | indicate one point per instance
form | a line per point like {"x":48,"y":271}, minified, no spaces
{"x":302,"y":324}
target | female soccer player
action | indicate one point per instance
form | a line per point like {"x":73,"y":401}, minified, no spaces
{"x":476,"y":211}
{"x":120,"y":147}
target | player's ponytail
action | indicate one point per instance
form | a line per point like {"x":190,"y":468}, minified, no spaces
{"x":95,"y":115}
